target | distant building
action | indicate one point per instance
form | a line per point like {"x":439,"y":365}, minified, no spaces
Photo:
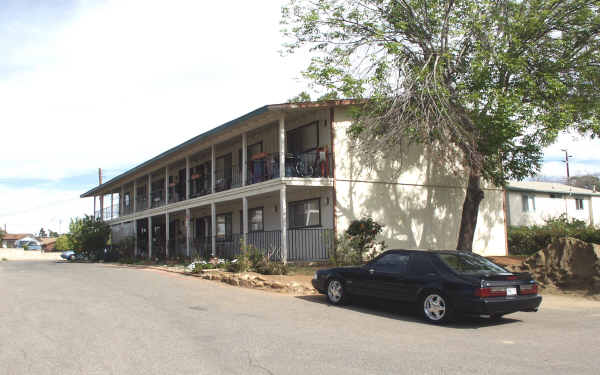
{"x":12,"y":239}
{"x":532,"y":203}
{"x":48,"y":244}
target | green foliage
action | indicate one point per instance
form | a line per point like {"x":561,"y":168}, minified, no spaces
{"x":2,"y":234}
{"x":486,"y":83}
{"x":89,"y":236}
{"x":358,"y":243}
{"x":362,"y":236}
{"x":25,"y":246}
{"x":52,"y":233}
{"x":124,"y":250}
{"x":42,"y":233}
{"x":526,"y":240}
{"x":302,"y":97}
{"x":344,"y":252}
{"x":63,"y":243}
{"x":257,"y":260}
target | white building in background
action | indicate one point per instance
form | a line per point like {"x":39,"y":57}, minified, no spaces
{"x":532,"y":203}
{"x":285,"y":177}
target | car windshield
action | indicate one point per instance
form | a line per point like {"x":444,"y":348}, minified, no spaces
{"x":470,"y":264}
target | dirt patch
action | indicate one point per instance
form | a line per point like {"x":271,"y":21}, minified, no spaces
{"x":566,"y":265}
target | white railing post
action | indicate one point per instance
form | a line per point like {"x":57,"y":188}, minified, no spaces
{"x":283,"y":217}
{"x":167,"y":234}
{"x":187,"y":231}
{"x":187,"y":179}
{"x":212,"y":168}
{"x":149,"y":237}
{"x":244,"y":158}
{"x":166,"y":185}
{"x":149,"y":202}
{"x":282,"y":147}
{"x":213,"y":219}
{"x":245,"y":218}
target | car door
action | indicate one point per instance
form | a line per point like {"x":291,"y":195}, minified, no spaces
{"x":421,"y":273}
{"x":388,"y":276}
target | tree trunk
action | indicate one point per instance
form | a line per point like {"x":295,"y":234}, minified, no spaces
{"x":470,"y":211}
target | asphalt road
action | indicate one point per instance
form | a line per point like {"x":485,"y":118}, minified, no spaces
{"x":62,"y":318}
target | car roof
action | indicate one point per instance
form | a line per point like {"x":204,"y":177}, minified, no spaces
{"x":427,"y":251}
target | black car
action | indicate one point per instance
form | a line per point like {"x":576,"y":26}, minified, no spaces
{"x":442,"y":283}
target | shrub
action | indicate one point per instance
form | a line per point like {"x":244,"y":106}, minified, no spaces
{"x":526,"y":240}
{"x":362,"y":234}
{"x":63,"y":243}
{"x":89,"y":236}
{"x":344,"y":252}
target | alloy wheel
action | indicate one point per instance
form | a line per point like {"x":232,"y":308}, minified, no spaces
{"x":434,"y":307}
{"x":335,"y":291}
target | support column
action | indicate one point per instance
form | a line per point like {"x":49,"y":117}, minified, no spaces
{"x":122,"y":200}
{"x":213,"y":222}
{"x":187,"y":231}
{"x":112,"y":205}
{"x":134,"y":195}
{"x":283,"y":211}
{"x":150,"y":237}
{"x":167,"y":234}
{"x":102,"y":207}
{"x":166,"y":185}
{"x":245,"y":218}
{"x":244,"y":158}
{"x":282,"y":147}
{"x":187,"y":179}
{"x":212,"y":169}
{"x":149,"y":197}
{"x":135,"y":237}
{"x":94,"y":214}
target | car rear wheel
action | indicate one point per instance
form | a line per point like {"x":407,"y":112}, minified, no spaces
{"x":335,"y":292}
{"x":435,"y":307}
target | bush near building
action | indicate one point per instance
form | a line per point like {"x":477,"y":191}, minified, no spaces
{"x":526,"y":240}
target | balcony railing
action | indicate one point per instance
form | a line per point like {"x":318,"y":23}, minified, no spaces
{"x":176,"y":192}
{"x":200,"y":185}
{"x":306,"y":244}
{"x":157,"y":198}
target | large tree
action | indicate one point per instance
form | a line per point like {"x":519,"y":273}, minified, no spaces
{"x":489,"y":83}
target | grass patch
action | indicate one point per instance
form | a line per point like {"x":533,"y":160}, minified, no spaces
{"x":305,"y":269}
{"x":4,"y":259}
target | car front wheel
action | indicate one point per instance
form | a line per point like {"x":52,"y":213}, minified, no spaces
{"x":435,"y":307}
{"x":335,"y":292}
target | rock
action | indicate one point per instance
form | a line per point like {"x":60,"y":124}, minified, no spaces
{"x":259,"y":278}
{"x":258,"y":284}
{"x":277,"y":285}
{"x":566,"y":263}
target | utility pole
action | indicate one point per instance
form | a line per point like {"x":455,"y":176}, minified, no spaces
{"x":101,"y":195}
{"x":566,"y":161}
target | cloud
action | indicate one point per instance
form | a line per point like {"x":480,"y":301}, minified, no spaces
{"x":26,"y":210}
{"x":123,"y":81}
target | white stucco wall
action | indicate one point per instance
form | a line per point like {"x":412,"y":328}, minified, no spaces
{"x":547,"y":208}
{"x":595,"y":208}
{"x":419,"y":204}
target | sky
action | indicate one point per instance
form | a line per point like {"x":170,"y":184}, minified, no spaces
{"x":86,"y":84}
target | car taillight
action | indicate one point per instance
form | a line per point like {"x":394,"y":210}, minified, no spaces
{"x":528,"y":289}
{"x":490,"y":292}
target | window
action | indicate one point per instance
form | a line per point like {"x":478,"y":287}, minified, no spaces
{"x":469,"y":263}
{"x":393,"y":263}
{"x":223,"y":225}
{"x":127,"y":200}
{"x":303,"y":139}
{"x":528,"y":203}
{"x":579,"y":203}
{"x":255,"y":220}
{"x":304,"y":213}
{"x":420,"y":264}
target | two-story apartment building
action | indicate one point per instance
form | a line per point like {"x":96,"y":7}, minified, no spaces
{"x":533,"y":202}
{"x":285,"y":178}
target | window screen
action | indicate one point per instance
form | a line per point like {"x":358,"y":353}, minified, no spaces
{"x":304,"y":213}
